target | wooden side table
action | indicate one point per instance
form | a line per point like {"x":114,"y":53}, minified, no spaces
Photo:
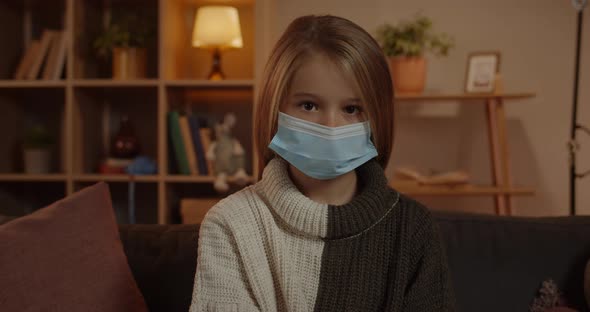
{"x":501,"y":189}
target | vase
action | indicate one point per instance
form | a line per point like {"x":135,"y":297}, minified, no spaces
{"x":125,"y":143}
{"x":129,"y":63}
{"x":408,"y":74}
{"x":37,"y":160}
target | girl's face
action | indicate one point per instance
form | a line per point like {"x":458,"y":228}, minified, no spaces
{"x":322,"y":94}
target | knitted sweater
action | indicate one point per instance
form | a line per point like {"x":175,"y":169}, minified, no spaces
{"x":268,"y":247}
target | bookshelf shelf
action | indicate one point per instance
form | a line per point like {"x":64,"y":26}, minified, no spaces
{"x":197,"y":179}
{"x":115,"y":178}
{"x":115,"y":83}
{"x":10,"y":84}
{"x":23,"y":177}
{"x":441,"y":97}
{"x":462,"y":190}
{"x":247,"y":83}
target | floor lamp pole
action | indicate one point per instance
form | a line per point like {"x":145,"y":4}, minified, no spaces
{"x":573,"y":144}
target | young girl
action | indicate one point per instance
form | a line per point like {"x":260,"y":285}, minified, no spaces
{"x":322,"y":230}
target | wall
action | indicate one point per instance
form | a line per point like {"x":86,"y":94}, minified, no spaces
{"x":537,"y":42}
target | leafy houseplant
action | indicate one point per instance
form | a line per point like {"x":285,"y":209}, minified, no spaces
{"x":406,"y":44}
{"x":37,"y":149}
{"x":125,"y":39}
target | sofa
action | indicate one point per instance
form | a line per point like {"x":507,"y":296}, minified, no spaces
{"x":496,"y":263}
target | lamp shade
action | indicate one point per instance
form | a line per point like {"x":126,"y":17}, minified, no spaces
{"x":217,"y":26}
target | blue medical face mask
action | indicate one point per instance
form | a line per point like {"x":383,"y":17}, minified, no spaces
{"x":322,"y":152}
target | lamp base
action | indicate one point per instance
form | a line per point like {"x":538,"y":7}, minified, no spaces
{"x":216,"y":73}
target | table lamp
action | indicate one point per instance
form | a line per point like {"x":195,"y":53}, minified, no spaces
{"x":217,"y":28}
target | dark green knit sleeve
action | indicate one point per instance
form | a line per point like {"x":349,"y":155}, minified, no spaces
{"x":429,"y":287}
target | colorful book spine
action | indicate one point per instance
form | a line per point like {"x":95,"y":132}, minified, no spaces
{"x":27,"y":60}
{"x":188,"y":144}
{"x":177,"y":143}
{"x":200,"y":152}
{"x":56,"y":59}
{"x":46,"y":39}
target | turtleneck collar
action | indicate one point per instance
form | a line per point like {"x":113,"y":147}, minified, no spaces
{"x":306,"y":217}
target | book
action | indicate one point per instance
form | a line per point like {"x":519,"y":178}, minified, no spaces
{"x":200,"y":152}
{"x":56,"y":58}
{"x":193,"y":210}
{"x":206,"y":140}
{"x":112,"y":165}
{"x":46,"y":39}
{"x":27,"y":60}
{"x":118,"y":162}
{"x":445,"y":178}
{"x":191,"y":156}
{"x":177,"y":143}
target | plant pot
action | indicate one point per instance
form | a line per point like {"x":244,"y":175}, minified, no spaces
{"x":129,"y":63}
{"x":408,"y":74}
{"x":37,"y":160}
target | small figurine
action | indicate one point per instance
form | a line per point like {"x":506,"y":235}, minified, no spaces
{"x":228,"y":155}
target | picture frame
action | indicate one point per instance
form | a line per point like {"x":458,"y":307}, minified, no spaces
{"x":482,"y":68}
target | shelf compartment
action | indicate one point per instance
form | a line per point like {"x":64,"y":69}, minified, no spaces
{"x":24,"y":21}
{"x":97,"y":116}
{"x":90,"y":19}
{"x":22,"y":109}
{"x":183,"y":61}
{"x":210,"y":105}
{"x":19,"y":199}
{"x":146,"y":199}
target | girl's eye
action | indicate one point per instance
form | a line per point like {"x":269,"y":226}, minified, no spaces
{"x":352,"y":109}
{"x":308,"y":106}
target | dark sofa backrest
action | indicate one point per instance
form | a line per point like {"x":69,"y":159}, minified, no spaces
{"x":163,"y":261}
{"x":497,"y":263}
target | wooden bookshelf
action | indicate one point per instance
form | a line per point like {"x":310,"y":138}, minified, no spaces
{"x":86,"y":102}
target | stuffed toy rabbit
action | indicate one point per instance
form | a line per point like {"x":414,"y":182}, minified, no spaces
{"x":228,"y":155}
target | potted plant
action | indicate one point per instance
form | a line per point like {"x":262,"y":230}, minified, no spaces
{"x":125,"y":39}
{"x":405,"y":45}
{"x":37,"y":148}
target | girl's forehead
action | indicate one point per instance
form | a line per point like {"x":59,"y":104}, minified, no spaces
{"x":320,"y":75}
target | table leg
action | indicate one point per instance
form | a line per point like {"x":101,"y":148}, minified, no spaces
{"x":504,"y":154}
{"x":493,"y":135}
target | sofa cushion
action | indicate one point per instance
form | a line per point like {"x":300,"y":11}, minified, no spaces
{"x":67,"y":257}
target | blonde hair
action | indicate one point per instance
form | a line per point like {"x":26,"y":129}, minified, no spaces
{"x":353,"y":50}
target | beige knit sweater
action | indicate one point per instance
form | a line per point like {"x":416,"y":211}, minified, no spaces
{"x":270,"y":248}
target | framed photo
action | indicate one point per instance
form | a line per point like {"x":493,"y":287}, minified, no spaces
{"x":482,"y":68}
